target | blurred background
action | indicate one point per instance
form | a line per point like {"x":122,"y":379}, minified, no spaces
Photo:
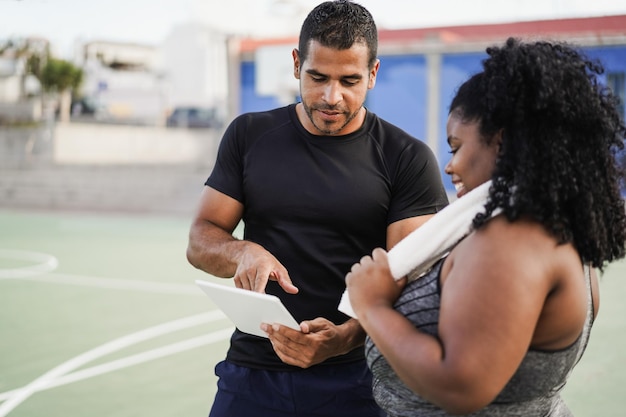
{"x":110,"y":117}
{"x":100,"y":99}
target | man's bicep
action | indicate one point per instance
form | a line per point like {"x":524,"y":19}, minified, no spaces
{"x":398,"y":230}
{"x":219,"y":209}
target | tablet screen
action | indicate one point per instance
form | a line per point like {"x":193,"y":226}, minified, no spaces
{"x":248,"y":309}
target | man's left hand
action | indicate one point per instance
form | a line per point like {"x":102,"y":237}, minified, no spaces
{"x":318,"y":340}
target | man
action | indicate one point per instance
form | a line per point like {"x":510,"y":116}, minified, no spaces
{"x":318,"y":184}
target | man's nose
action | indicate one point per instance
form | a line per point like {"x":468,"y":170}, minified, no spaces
{"x":333,"y":93}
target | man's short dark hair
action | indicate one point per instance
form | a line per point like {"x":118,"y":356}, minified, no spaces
{"x":339,"y":24}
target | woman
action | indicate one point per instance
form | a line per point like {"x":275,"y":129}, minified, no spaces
{"x":496,"y":326}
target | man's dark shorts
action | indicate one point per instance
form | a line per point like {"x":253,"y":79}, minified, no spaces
{"x":338,"y":390}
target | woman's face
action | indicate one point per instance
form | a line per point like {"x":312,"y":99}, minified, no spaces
{"x":473,"y":160}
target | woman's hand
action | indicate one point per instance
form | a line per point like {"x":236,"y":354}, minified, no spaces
{"x":370,"y":283}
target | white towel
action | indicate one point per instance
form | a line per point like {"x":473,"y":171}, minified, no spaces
{"x":418,"y":251}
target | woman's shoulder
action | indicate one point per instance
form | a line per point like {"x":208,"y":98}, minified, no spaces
{"x":522,"y":246}
{"x":522,"y":235}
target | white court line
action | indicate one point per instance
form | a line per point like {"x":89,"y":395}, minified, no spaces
{"x":43,"y":263}
{"x":136,"y":359}
{"x":118,"y":284}
{"x":21,"y":394}
{"x":61,"y":374}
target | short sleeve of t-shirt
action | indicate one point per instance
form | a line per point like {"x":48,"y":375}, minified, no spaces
{"x":409,"y":201}
{"x":227,"y":174}
{"x":416,"y":184}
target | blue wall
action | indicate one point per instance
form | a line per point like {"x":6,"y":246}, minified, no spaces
{"x":401,"y":87}
{"x":614,"y":60}
{"x":454,"y":70}
{"x":249,"y":101}
{"x":400,"y":93}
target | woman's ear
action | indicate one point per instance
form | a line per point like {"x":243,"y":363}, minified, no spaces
{"x":498,"y":138}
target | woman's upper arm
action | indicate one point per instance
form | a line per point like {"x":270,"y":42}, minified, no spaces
{"x":493,"y":294}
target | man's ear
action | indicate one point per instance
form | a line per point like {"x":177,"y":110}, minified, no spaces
{"x":296,"y":63}
{"x":372,"y":79}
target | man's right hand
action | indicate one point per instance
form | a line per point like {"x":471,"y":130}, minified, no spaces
{"x":256,"y":266}
{"x":213,"y":249}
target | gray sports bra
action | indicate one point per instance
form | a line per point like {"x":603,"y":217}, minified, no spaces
{"x":532,"y":391}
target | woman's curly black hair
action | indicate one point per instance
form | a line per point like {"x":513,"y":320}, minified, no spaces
{"x":561,"y":133}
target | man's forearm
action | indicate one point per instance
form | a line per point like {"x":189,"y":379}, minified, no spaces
{"x":213,"y":250}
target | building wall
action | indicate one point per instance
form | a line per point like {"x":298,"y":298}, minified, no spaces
{"x":121,"y":79}
{"x":194,"y":67}
{"x":10,"y":88}
{"x":249,"y":99}
{"x":455,"y":69}
{"x":401,"y":94}
{"x":96,"y":167}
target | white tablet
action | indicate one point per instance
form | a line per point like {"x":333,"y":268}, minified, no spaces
{"x":248,"y":309}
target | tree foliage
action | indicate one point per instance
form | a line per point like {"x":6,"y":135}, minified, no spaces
{"x":58,"y":75}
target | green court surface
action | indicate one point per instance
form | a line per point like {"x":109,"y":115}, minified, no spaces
{"x":119,"y":329}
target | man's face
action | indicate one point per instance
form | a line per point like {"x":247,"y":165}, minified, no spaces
{"x":333,"y":87}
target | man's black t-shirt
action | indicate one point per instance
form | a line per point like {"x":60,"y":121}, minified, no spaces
{"x":318,"y":204}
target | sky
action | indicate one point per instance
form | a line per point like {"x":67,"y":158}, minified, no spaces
{"x":68,"y":22}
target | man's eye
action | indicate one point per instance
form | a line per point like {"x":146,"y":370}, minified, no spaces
{"x":453,"y":150}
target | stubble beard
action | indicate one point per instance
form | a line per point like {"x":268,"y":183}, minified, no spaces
{"x":325,"y":131}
